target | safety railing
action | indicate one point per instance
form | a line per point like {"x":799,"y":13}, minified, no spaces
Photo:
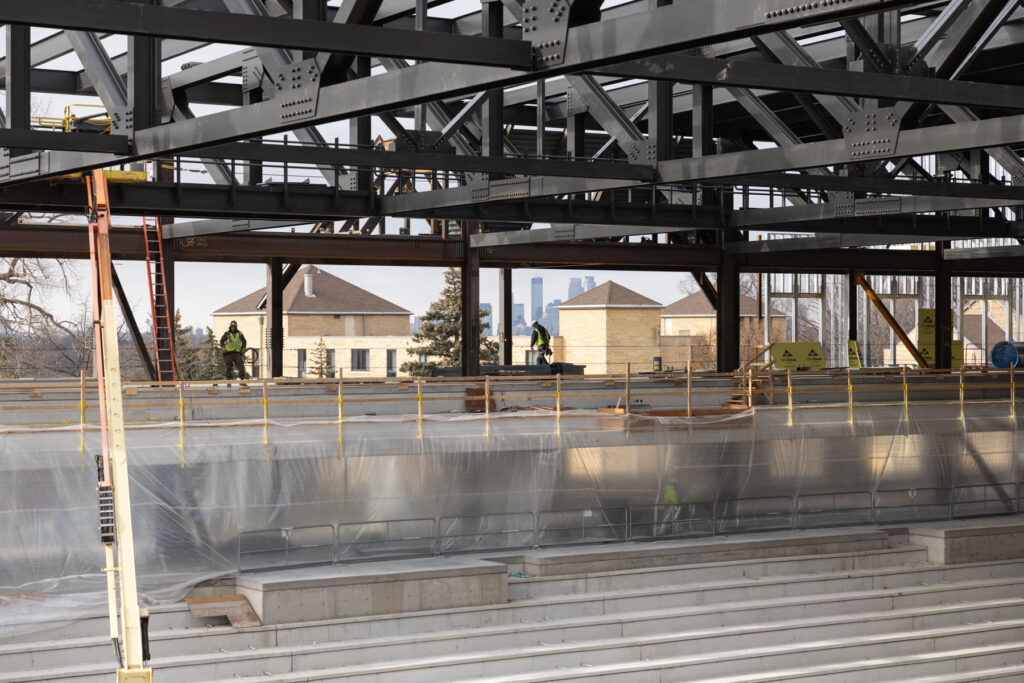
{"x":383,"y":539}
{"x":389,"y":538}
{"x":205,"y":405}
{"x":585,"y":525}
{"x":286,"y":547}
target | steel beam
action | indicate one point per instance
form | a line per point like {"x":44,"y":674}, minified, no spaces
{"x":224,"y":27}
{"x":892,"y":322}
{"x":274,"y":341}
{"x":133,"y":327}
{"x":833,"y":82}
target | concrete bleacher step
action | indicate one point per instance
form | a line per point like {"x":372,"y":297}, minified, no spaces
{"x":853,"y":590}
{"x":989,"y":663}
{"x":674,"y":654}
{"x":608,"y":616}
{"x":715,"y":628}
{"x":533,"y":587}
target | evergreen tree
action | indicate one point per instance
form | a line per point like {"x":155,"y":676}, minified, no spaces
{"x":186,"y":353}
{"x":211,"y":360}
{"x":440,"y":337}
{"x":319,"y":362}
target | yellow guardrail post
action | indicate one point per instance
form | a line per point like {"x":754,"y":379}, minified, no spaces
{"x":963,"y":419}
{"x":181,"y":420}
{"x":689,"y":389}
{"x":906,"y":401}
{"x":789,"y":390}
{"x":81,"y":428}
{"x":266,"y":421}
{"x":849,"y":389}
{"x":487,"y":408}
{"x":341,"y":415}
{"x":1013,"y":397}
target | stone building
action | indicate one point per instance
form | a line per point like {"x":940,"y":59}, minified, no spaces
{"x":364,"y":334}
{"x":607,"y":328}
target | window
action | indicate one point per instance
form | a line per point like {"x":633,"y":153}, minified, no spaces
{"x":424,"y":358}
{"x":360,"y":359}
{"x":392,"y":362}
{"x":330,"y":363}
{"x":301,"y":363}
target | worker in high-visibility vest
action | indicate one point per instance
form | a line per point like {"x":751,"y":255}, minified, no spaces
{"x":541,"y":339}
{"x":232,"y":343}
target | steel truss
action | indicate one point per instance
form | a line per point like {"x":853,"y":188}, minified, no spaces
{"x":859,"y":122}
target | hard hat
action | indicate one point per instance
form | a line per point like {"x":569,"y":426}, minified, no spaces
{"x":534,"y":323}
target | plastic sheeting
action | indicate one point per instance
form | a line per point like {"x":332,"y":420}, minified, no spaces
{"x":225,"y":499}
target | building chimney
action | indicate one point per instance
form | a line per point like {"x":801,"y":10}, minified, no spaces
{"x":309,"y":283}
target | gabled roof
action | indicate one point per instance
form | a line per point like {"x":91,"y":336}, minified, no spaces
{"x":331,"y":295}
{"x":610,"y":295}
{"x":696,"y":305}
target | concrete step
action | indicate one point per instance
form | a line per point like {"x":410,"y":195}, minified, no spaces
{"x":676,"y":651}
{"x":953,"y":600}
{"x":630,"y":579}
{"x":708,"y":629}
{"x":859,"y":585}
{"x":994,"y":663}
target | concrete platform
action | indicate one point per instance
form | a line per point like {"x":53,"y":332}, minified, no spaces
{"x":971,"y":540}
{"x":574,"y":560}
{"x":334,"y":591}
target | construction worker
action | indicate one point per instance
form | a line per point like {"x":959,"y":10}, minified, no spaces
{"x":542,"y":340}
{"x":232,"y":343}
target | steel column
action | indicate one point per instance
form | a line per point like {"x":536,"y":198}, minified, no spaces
{"x":19,"y":89}
{"x":505,"y":314}
{"x":728,"y":314}
{"x":943,"y":312}
{"x":275,"y":319}
{"x":470,"y":306}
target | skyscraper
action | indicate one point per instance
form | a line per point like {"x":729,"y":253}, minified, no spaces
{"x":486,"y":319}
{"x":575,"y":287}
{"x":518,"y":320}
{"x":590,"y":284}
{"x":537,"y":298}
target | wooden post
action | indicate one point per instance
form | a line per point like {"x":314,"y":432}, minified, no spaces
{"x":750,"y":388}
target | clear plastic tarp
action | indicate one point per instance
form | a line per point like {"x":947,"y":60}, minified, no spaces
{"x":248,"y":495}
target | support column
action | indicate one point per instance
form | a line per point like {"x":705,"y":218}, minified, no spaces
{"x":309,"y":10}
{"x":728,"y":315}
{"x":505,"y":314}
{"x":539,"y":144}
{"x":659,"y":112}
{"x":144,"y":81}
{"x":18,"y":87}
{"x":943,"y":312}
{"x":470,"y":305}
{"x":359,"y":129}
{"x":275,"y":319}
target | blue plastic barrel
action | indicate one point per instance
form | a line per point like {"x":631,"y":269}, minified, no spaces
{"x":1007,"y":354}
